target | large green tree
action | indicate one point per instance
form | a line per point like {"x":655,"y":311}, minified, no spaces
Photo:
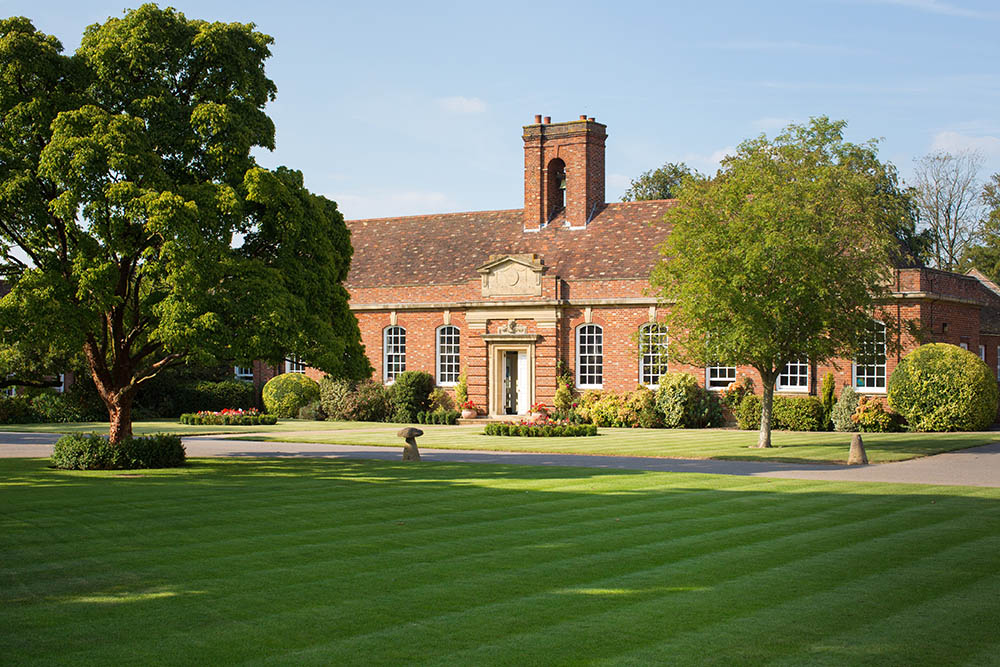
{"x":782,"y":256}
{"x":136,"y":230}
{"x":985,"y":253}
{"x":660,"y":183}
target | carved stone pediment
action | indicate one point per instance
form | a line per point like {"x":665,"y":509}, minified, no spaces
{"x":512,"y":275}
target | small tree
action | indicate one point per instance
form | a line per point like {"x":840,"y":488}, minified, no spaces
{"x":948,"y":197}
{"x":782,"y":256}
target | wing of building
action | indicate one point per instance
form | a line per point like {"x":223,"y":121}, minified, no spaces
{"x":516,"y":297}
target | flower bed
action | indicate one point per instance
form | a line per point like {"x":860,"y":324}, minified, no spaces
{"x":540,"y":429}
{"x":251,"y":417}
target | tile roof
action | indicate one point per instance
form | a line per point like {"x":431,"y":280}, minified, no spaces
{"x":619,"y":242}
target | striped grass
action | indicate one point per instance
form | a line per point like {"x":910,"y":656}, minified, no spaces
{"x":729,"y":444}
{"x":336,"y":561}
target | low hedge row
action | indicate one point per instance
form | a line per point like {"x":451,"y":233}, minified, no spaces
{"x":228,"y":420}
{"x":788,"y":413}
{"x":95,"y":452}
{"x":540,"y":431}
{"x":446,"y":417}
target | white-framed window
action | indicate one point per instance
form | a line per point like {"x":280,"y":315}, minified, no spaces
{"x":294,"y":365}
{"x":9,"y":392}
{"x":393,"y":353}
{"x":652,"y":353}
{"x":62,"y":383}
{"x":448,"y":359}
{"x":243,"y":373}
{"x":589,"y":356}
{"x":718,"y":378}
{"x":964,"y":346}
{"x":794,"y":376}
{"x":982,"y":352}
{"x":869,"y":365}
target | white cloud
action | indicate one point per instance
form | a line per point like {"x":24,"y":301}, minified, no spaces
{"x":459,"y":104}
{"x":391,"y":204}
{"x":938,"y":7}
{"x":771,"y":123}
{"x":708,"y":164}
{"x":618,"y":181}
{"x":953,"y":142}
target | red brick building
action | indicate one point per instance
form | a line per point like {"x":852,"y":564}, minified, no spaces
{"x":510,"y":296}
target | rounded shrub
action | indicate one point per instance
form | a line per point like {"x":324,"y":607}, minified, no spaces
{"x":95,"y":452}
{"x":941,"y":387}
{"x":686,"y":404}
{"x":410,"y":394}
{"x":336,"y":398}
{"x":286,"y":394}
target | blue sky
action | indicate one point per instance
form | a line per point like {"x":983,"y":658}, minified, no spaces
{"x":416,"y":107}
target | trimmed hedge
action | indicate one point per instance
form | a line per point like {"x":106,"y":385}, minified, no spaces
{"x":788,"y":413}
{"x":95,"y":452}
{"x":445,"y":417}
{"x":196,"y":419}
{"x":287,"y":393}
{"x":540,"y":430}
{"x":844,"y":409}
{"x":941,"y":387}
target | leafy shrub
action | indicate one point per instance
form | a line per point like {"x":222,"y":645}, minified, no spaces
{"x":587,"y":401}
{"x":748,"y":413}
{"x":370,"y":402}
{"x":232,"y":394}
{"x":336,"y":398}
{"x":826,"y":396}
{"x":438,"y":416}
{"x":312,"y":411}
{"x":639,"y":409}
{"x":844,"y":409}
{"x":440,"y":399}
{"x":871,"y":416}
{"x":410,"y":394}
{"x":563,"y":398}
{"x":733,"y":395}
{"x":94,"y":452}
{"x":50,"y":407}
{"x":542,"y":430}
{"x":285,"y":394}
{"x":604,"y":411}
{"x":686,"y":404}
{"x":17,"y":410}
{"x":788,"y":413}
{"x":941,"y":387}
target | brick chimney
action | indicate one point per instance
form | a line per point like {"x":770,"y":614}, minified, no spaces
{"x":563,"y":169}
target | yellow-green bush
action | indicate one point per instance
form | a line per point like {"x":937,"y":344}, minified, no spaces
{"x":941,"y":387}
{"x":285,"y":394}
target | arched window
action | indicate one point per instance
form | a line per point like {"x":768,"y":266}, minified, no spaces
{"x":589,"y":356}
{"x":448,"y":361}
{"x":652,"y":353}
{"x":794,"y":376}
{"x":869,"y":365}
{"x":556,"y":188}
{"x":393,"y":352}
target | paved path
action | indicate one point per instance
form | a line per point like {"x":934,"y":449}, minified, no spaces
{"x":977,"y":466}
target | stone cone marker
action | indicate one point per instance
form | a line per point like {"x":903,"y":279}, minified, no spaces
{"x":410,"y":435}
{"x":857,"y":455}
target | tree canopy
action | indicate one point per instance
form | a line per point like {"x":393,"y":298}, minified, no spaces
{"x":137,"y":231}
{"x":783,"y":255}
{"x":985,"y":253}
{"x":661,"y":183}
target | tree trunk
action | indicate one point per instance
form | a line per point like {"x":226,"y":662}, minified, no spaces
{"x":766,"y":403}
{"x":120,"y":414}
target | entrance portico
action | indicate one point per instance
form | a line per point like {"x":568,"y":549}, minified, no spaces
{"x":510,"y":370}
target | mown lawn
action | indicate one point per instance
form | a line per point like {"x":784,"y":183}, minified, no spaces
{"x":698,"y":444}
{"x":365,"y":562}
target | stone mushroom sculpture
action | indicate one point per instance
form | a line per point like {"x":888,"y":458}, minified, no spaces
{"x":410,"y":435}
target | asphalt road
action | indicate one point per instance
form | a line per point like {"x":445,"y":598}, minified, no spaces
{"x":977,"y":466}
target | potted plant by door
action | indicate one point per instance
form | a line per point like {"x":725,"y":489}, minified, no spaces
{"x":539,"y":412}
{"x":469,"y":410}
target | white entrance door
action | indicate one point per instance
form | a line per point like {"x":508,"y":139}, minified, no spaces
{"x":522,"y":383}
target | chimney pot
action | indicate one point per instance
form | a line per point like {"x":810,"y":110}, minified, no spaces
{"x":538,"y":119}
{"x":547,"y":120}
{"x":591,"y":119}
{"x":583,"y":117}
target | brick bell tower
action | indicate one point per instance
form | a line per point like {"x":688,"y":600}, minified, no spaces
{"x":563,"y":171}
